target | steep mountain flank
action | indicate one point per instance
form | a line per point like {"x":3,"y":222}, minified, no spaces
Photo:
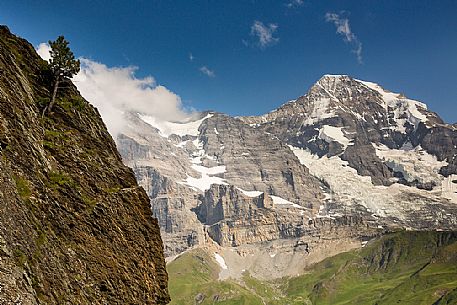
{"x":343,"y":114}
{"x":75,"y":228}
{"x":218,"y":179}
{"x":346,"y":162}
{"x":343,"y":124}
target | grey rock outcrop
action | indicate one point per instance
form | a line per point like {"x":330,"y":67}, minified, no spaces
{"x":148,"y":154}
{"x":258,"y":161}
{"x":251,"y":161}
{"x":234,"y":219}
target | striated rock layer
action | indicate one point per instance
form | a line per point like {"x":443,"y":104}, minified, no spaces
{"x":75,"y":227}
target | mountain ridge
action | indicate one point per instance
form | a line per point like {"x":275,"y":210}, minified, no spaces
{"x":342,"y":164}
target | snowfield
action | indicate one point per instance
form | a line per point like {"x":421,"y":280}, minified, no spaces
{"x":330,"y":133}
{"x":413,"y":162}
{"x":278,"y":201}
{"x":406,"y":110}
{"x":168,"y":128}
{"x":250,"y":193}
{"x":220,"y":260}
{"x":321,"y":110}
{"x":350,"y":188}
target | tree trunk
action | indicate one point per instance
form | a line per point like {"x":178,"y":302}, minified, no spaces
{"x":53,"y":99}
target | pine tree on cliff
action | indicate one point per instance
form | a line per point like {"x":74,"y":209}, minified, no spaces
{"x":62,"y":65}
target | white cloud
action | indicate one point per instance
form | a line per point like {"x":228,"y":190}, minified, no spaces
{"x":264,"y":33}
{"x":205,"y":70}
{"x":116,"y":91}
{"x":294,"y":3}
{"x":43,"y":50}
{"x":343,"y":28}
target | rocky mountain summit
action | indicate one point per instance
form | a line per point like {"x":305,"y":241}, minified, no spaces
{"x":320,"y":175}
{"x":75,"y":227}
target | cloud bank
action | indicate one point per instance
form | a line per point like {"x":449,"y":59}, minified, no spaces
{"x":116,"y":90}
{"x":343,"y":28}
{"x":264,"y":33}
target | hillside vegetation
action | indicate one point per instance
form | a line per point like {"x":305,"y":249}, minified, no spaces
{"x":399,"y":268}
{"x":75,"y":227}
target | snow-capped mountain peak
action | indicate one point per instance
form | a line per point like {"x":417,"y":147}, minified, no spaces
{"x":348,"y":156}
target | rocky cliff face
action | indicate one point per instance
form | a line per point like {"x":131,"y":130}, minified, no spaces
{"x":341,"y":114}
{"x":349,"y":160}
{"x":234,"y":219}
{"x":75,"y":228}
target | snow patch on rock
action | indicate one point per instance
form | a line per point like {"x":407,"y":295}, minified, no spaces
{"x":449,"y":188}
{"x":404,"y":109}
{"x":207,"y":176}
{"x":178,"y":128}
{"x":413,"y":162}
{"x":350,"y":188}
{"x":204,"y":182}
{"x":320,"y":110}
{"x":278,"y":201}
{"x":251,"y":194}
{"x":331,"y":133}
{"x":220,"y":260}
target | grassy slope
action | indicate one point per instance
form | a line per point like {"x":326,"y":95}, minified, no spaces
{"x":402,"y":268}
{"x":196,"y":272}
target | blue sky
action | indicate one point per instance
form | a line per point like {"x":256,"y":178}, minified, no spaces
{"x":248,"y":57}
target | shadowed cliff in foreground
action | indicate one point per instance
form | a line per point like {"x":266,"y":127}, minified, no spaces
{"x":75,"y":228}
